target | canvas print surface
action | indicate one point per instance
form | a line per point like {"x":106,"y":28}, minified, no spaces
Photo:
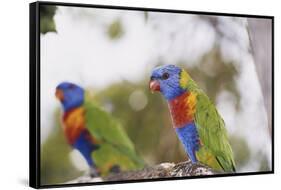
{"x":136,"y":95}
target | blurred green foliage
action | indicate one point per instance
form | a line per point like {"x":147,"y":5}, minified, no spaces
{"x":241,"y":150}
{"x":263,"y":162}
{"x":55,"y":163}
{"x":47,"y":23}
{"x":115,"y":30}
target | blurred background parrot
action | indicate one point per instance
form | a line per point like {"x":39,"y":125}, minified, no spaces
{"x":196,"y":121}
{"x":94,"y":133}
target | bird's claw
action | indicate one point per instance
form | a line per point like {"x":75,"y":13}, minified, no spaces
{"x":94,"y":172}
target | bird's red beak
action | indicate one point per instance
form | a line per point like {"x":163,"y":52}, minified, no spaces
{"x":59,"y":94}
{"x":154,"y":85}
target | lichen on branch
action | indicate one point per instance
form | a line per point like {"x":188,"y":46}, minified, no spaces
{"x":163,"y":170}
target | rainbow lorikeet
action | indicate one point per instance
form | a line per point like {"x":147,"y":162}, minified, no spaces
{"x":94,"y":133}
{"x":196,"y":120}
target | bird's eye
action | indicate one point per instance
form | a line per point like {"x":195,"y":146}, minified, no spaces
{"x":165,"y":76}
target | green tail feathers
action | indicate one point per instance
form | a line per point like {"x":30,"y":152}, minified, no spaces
{"x":213,"y":134}
{"x":116,"y":148}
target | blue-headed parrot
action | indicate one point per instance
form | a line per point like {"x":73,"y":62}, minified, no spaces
{"x":195,"y":119}
{"x":95,"y":134}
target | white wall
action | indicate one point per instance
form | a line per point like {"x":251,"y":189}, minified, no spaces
{"x":14,"y":92}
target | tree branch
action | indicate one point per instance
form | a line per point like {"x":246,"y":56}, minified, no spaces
{"x":163,"y":170}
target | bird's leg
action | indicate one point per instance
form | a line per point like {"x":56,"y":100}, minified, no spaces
{"x":115,"y":169}
{"x":94,"y":172}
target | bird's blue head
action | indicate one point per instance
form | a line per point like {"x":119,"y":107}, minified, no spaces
{"x":167,"y":79}
{"x":70,"y":95}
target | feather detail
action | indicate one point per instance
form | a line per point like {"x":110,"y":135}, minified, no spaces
{"x":188,"y":135}
{"x":73,"y":124}
{"x":182,"y":109}
{"x":184,"y":78}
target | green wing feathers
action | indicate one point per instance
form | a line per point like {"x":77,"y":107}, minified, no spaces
{"x":108,"y":156}
{"x":213,"y":135}
{"x":116,"y":149}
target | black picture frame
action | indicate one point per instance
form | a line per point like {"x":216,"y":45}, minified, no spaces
{"x":34,"y":98}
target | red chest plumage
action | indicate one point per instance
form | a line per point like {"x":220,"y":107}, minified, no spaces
{"x":73,"y":124}
{"x":182,"y":109}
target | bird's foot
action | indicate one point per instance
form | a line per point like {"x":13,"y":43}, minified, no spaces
{"x":94,"y":172}
{"x":115,"y":169}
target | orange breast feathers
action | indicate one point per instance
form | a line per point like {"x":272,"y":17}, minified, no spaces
{"x":73,"y":124}
{"x":182,"y":109}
